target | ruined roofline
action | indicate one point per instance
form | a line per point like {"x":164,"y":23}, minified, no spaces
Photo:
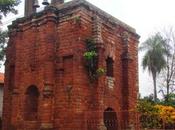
{"x":74,"y":4}
{"x":98,"y":11}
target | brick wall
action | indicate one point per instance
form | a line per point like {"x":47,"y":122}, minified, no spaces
{"x":47,"y":51}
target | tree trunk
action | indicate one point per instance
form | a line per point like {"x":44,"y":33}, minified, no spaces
{"x":168,"y":92}
{"x":167,"y":81}
{"x":155,"y":88}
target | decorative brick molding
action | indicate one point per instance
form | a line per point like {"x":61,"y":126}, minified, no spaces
{"x":47,"y":91}
{"x":46,"y":49}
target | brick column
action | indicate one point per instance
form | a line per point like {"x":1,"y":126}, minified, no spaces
{"x":14,"y":90}
{"x":126,"y":62}
{"x":97,"y":34}
{"x":13,"y":86}
{"x":48,"y":45}
{"x":101,"y":80}
{"x":46,"y":111}
{"x":47,"y":97}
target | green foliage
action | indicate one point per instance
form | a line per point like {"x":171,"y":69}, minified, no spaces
{"x":155,"y":115}
{"x":170,"y":101}
{"x":7,"y":6}
{"x":146,"y":106}
{"x":3,"y":41}
{"x":91,"y":58}
{"x":154,"y":58}
{"x":149,"y":114}
{"x":100,"y":71}
{"x":90,"y":55}
{"x":77,"y":20}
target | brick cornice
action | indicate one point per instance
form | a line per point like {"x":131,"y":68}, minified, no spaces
{"x":36,"y":19}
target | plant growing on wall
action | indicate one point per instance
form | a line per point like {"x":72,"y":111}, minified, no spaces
{"x":91,"y":58}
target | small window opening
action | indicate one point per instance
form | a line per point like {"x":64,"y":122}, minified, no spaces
{"x":109,"y":67}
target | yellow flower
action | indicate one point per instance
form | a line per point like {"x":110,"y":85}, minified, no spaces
{"x":167,"y":113}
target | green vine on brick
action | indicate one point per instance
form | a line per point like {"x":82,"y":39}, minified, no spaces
{"x":101,"y":71}
{"x":90,"y":55}
{"x":91,"y":58}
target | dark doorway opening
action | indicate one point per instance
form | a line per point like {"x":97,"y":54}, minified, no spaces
{"x":110,"y":119}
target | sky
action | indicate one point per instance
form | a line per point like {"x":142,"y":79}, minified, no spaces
{"x":146,"y":16}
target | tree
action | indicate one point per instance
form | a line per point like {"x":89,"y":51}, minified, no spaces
{"x":170,"y":101}
{"x":154,"y":58}
{"x":6,"y":6}
{"x":3,"y":41}
{"x":167,"y":76}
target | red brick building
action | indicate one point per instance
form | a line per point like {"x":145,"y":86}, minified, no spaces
{"x":1,"y":92}
{"x":51,"y":84}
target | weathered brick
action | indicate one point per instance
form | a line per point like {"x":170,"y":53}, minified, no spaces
{"x":48,"y":53}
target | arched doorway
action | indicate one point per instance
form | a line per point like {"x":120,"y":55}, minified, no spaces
{"x":31,"y":103}
{"x":110,"y":119}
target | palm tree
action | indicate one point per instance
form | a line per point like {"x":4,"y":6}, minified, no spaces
{"x":154,"y":58}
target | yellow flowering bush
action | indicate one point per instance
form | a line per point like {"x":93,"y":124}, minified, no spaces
{"x":167,"y":113}
{"x":156,"y":116}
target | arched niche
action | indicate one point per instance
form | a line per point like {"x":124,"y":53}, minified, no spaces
{"x":31,"y":103}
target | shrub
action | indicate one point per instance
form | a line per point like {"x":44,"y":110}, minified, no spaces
{"x":167,"y":113}
{"x":154,"y":115}
{"x":149,"y":117}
